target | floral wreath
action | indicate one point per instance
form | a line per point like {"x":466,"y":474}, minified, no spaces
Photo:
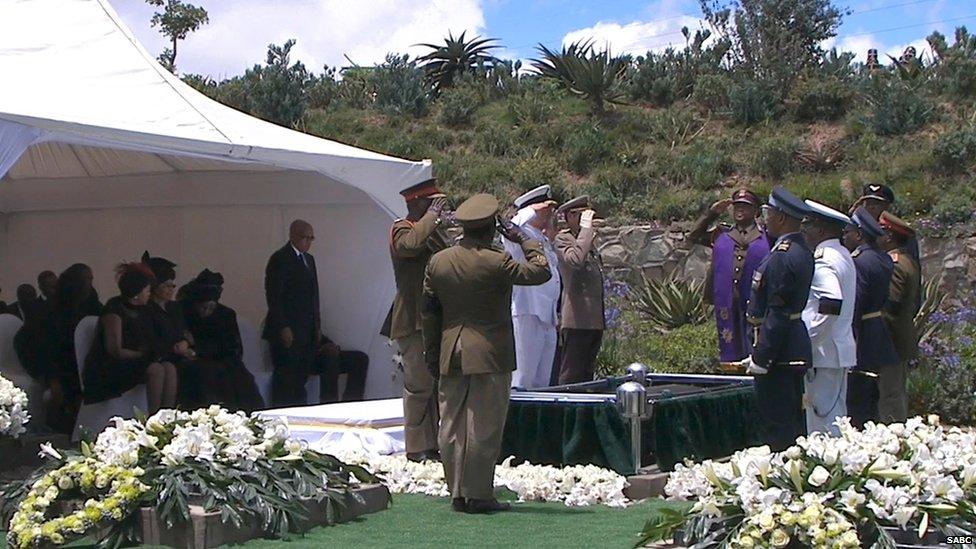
{"x":112,"y":492}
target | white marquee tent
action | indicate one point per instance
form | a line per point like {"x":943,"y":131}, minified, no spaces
{"x":103,"y":153}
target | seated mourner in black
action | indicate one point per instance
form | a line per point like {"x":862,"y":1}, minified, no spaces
{"x":74,"y":299}
{"x":330,"y":361}
{"x":217,"y":339}
{"x":173,"y":343}
{"x":122,"y":354}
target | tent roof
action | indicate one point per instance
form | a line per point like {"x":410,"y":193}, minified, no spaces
{"x":86,"y":89}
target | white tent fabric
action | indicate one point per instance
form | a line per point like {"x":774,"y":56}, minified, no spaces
{"x":103,"y":153}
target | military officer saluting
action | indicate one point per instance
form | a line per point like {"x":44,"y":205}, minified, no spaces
{"x":736,"y":252}
{"x":781,"y":346}
{"x":412,"y":242}
{"x":899,"y":312}
{"x":875,"y":350}
{"x":470,"y":343}
{"x":828,"y":316}
{"x":581,"y":320}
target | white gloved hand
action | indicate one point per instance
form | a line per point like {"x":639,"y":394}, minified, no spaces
{"x":586,"y":219}
{"x":753,"y":368}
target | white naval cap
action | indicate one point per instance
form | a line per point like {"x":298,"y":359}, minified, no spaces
{"x":826,"y":213}
{"x":537,"y":195}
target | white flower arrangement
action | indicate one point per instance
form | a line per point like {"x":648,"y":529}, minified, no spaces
{"x":831,"y":492}
{"x":13,"y":410}
{"x":575,"y":486}
{"x":208,"y":435}
{"x":228,"y":460}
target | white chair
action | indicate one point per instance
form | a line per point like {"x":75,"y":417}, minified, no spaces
{"x":257,"y":360}
{"x":254,"y":358}
{"x":11,"y":368}
{"x":95,"y":417}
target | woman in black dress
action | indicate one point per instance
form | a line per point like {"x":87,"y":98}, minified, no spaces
{"x":122,"y":355}
{"x":174,"y":343}
{"x":217,"y":341}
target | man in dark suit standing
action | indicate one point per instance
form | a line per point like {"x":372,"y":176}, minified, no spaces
{"x":293,"y":324}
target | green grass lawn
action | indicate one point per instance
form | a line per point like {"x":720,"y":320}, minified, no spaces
{"x":420,"y":521}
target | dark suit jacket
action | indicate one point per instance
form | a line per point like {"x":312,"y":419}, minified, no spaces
{"x":292,"y":292}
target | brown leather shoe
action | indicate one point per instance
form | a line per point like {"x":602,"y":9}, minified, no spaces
{"x":459,"y":505}
{"x":484,"y":506}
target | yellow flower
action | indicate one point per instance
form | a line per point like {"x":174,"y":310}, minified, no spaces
{"x":849,"y":539}
{"x":93,"y":514}
{"x":766,"y":521}
{"x":787,"y":519}
{"x":746,"y":541}
{"x":780,"y":538}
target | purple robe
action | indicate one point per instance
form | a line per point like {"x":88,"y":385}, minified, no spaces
{"x":734,"y":259}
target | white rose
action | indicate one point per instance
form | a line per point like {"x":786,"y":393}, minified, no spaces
{"x":819,"y":476}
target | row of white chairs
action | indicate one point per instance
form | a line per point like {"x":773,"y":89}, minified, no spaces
{"x":94,"y":417}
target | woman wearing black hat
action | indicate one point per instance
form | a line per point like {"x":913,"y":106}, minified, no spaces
{"x":173,"y":342}
{"x":122,"y":355}
{"x":217,"y":341}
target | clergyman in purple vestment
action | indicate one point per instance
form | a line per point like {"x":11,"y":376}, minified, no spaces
{"x":736,"y":253}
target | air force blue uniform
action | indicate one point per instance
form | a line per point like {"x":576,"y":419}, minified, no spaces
{"x":781,"y":344}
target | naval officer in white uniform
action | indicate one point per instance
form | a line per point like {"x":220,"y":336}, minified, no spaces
{"x":534,"y":315}
{"x":829,"y":316}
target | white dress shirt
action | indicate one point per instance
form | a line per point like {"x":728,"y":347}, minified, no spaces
{"x":832,"y":336}
{"x":538,"y":300}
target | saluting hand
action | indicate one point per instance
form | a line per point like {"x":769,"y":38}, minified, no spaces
{"x":438,"y":205}
{"x":586,"y":219}
{"x":510,"y":231}
{"x":719,"y":207}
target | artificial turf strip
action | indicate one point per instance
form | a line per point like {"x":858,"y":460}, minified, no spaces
{"x":421,"y":521}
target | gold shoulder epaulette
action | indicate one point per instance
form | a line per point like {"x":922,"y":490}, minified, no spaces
{"x":894,"y":257}
{"x":855,"y":253}
{"x":783,"y":246}
{"x":818,"y":253}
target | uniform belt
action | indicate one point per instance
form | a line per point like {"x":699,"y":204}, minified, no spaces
{"x":875,"y":314}
{"x":757,"y":320}
{"x":864,"y":373}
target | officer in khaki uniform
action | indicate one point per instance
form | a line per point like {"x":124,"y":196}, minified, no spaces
{"x":899,"y":312}
{"x":412,"y":242}
{"x":581,"y":320}
{"x":470,"y":343}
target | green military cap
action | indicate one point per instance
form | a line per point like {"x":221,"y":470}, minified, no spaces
{"x":477,"y":211}
{"x":578,"y":203}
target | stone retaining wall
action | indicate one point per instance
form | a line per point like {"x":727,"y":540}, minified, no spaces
{"x":658,"y":251}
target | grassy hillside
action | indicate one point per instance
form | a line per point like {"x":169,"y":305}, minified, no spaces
{"x":643,"y":163}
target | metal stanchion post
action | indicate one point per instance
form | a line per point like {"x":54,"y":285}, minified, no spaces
{"x":632,"y":405}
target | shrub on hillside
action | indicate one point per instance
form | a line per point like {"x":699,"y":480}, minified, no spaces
{"x":531,"y":107}
{"x":814,"y":99}
{"x":956,"y":151}
{"x":751,"y":103}
{"x":896,"y":107}
{"x":494,"y":140}
{"x":955,"y":205}
{"x":774,"y":157}
{"x":702,"y":166}
{"x":712,"y":92}
{"x":458,"y":106}
{"x":399,"y":87}
{"x":675,"y":127}
{"x":588,"y":147}
{"x":539,"y":170}
{"x":955,"y":65}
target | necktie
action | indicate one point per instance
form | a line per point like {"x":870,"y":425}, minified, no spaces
{"x":304,"y":262}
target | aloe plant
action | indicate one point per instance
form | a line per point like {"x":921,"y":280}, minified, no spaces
{"x":455,"y":57}
{"x":594,"y":75}
{"x":670,"y":303}
{"x":933,"y":297}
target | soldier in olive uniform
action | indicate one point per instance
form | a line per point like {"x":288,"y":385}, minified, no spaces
{"x":581,"y":320}
{"x":470,"y":343}
{"x":899,"y":312}
{"x":412,"y":242}
{"x":781,"y":348}
{"x":875,"y":350}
